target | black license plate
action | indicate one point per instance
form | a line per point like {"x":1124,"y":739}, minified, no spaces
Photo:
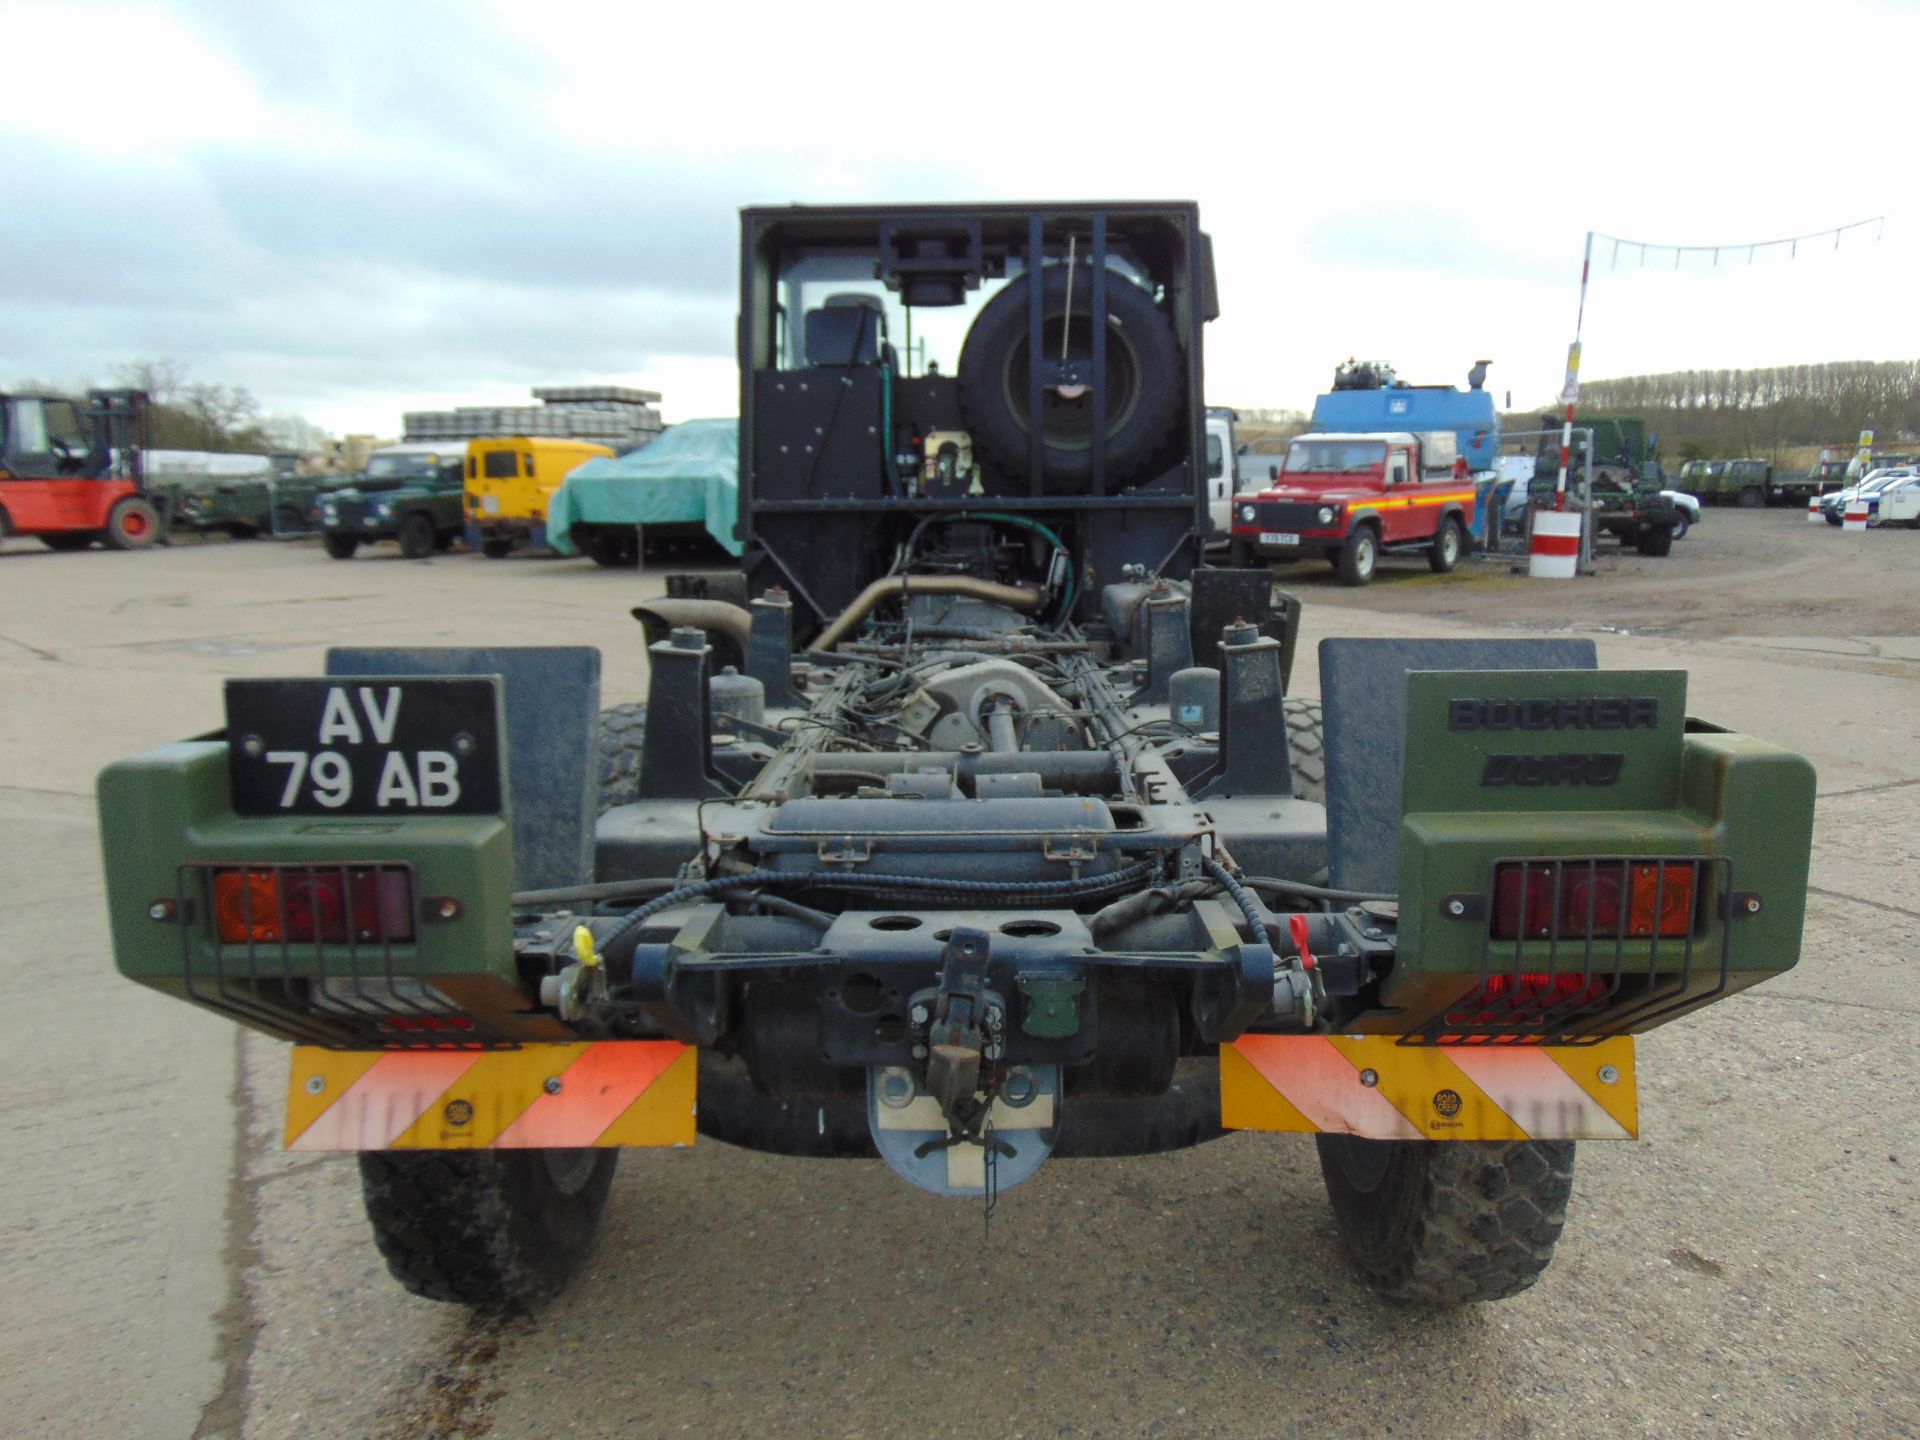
{"x":380,"y":746}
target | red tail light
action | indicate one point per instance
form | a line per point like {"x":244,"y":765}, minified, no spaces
{"x":311,"y":904}
{"x":1500,"y":996}
{"x":1574,"y":899}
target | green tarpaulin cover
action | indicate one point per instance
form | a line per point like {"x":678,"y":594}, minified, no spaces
{"x":690,"y":475}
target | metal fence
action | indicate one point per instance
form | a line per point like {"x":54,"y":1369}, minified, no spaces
{"x":1509,"y":523}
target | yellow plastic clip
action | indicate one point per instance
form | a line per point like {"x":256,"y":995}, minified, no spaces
{"x":583,"y":947}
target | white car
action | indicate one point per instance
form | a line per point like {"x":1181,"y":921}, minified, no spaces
{"x":1689,"y":508}
{"x":1834,"y":506}
{"x":1898,"y":504}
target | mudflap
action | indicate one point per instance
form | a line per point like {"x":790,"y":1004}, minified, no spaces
{"x":599,"y":1093}
{"x":1380,"y":1088}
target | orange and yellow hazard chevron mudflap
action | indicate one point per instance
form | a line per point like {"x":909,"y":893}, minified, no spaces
{"x":1373,"y":1086}
{"x":596,"y":1093}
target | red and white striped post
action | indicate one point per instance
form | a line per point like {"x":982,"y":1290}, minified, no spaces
{"x":1572,"y":394}
{"x":1554,"y":546}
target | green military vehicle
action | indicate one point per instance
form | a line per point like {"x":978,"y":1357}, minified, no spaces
{"x":1750,"y":484}
{"x":282,"y":504}
{"x":412,"y":493}
{"x":972,"y":823}
{"x":1632,"y":511}
{"x":1627,"y":485}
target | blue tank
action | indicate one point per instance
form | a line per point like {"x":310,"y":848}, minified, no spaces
{"x":1398,"y":406}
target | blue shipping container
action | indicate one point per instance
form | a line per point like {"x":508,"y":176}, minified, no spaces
{"x":1468,"y":413}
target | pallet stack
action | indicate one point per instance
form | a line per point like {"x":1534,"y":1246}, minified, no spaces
{"x":612,"y":415}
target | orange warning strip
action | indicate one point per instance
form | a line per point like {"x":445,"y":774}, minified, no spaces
{"x":1373,"y":1086}
{"x":373,"y":1112}
{"x":596,"y":1093}
{"x":1323,"y":1085}
{"x":598,"y":1089}
{"x":1536,"y":1088}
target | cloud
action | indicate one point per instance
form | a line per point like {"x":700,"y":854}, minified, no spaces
{"x":1432,"y":235}
{"x":362,"y":207}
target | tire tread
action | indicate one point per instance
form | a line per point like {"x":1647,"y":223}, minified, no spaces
{"x":477,"y":1227}
{"x":1458,"y":1222}
{"x":1306,"y":743}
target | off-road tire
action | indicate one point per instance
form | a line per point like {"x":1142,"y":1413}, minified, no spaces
{"x":622,"y":736}
{"x":1360,"y":556}
{"x":240,"y":530}
{"x":1656,"y":540}
{"x":1752,"y":497}
{"x":1832,"y":517}
{"x":485,"y":1227}
{"x":1449,"y":544}
{"x":496,"y":549}
{"x":1681,"y":526}
{"x":70,"y":541}
{"x":1448,"y":1222}
{"x":287,"y":520}
{"x":1143,"y":367}
{"x":132,"y":524}
{"x":416,"y":537}
{"x":340,"y":547}
{"x":1306,"y":743}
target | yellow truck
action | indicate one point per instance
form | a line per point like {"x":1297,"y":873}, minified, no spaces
{"x":510,"y":479}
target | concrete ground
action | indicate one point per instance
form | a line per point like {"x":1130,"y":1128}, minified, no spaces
{"x":1749,"y":1267}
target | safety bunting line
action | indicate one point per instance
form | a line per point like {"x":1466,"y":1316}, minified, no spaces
{"x":1373,"y":1086}
{"x":595,"y":1093}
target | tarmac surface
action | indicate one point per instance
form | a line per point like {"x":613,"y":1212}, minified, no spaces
{"x":1750,"y":1266}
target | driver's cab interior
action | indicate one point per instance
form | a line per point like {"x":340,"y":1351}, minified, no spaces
{"x":43,"y":435}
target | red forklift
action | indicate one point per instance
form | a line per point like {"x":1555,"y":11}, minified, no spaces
{"x":71,"y":471}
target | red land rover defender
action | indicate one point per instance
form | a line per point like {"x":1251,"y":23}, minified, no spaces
{"x":1348,"y":497}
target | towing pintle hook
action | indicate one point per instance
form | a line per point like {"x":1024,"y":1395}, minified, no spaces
{"x":962,"y":1121}
{"x":966,"y":1031}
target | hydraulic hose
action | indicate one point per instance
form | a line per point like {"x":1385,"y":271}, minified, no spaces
{"x":1313,"y":892}
{"x":1066,"y":604}
{"x":1240,"y":897}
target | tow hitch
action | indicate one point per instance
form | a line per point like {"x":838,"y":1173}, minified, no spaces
{"x":961,"y":1126}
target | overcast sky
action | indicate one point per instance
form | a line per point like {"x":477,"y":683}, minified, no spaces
{"x":364,"y":206}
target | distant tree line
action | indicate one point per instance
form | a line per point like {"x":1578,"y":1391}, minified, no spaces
{"x":194,"y":415}
{"x":1763,"y":412}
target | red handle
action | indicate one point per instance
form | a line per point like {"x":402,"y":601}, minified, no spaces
{"x":1298,"y":925}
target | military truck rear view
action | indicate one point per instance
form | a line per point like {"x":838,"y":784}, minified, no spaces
{"x":974,"y":823}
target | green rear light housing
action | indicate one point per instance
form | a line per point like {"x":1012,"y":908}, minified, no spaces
{"x":1581,"y":776}
{"x":168,"y":829}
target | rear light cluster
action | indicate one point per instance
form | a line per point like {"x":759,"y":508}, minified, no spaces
{"x":1503,"y":997}
{"x":1598,"y":899}
{"x":344,"y":904}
